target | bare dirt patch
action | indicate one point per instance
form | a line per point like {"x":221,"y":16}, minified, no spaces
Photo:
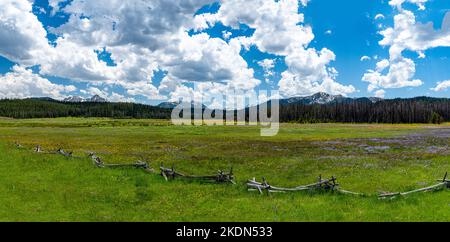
{"x":431,"y":140}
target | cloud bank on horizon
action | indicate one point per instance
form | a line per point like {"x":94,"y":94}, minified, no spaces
{"x":147,"y":50}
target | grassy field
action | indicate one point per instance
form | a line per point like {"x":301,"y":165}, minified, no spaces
{"x":365,"y":158}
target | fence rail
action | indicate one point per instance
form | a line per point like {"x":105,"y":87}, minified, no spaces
{"x":327,"y":185}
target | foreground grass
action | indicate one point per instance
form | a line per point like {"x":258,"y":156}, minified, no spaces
{"x":36,"y":187}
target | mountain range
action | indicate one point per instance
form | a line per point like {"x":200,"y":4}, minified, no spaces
{"x":318,"y":98}
{"x":325,"y":98}
{"x":93,"y":99}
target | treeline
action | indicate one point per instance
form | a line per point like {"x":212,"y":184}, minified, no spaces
{"x":35,"y":108}
{"x":415,"y":110}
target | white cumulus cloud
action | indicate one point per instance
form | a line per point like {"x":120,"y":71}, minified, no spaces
{"x":380,"y":93}
{"x":144,"y":37}
{"x":308,"y":69}
{"x":399,"y":3}
{"x":406,"y":34}
{"x":267,"y":65}
{"x":441,"y":86}
{"x":23,"y":83}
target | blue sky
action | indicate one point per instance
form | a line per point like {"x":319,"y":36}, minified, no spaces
{"x":355,"y":34}
{"x":349,"y":29}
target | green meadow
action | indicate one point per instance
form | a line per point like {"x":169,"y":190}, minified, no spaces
{"x":365,"y":158}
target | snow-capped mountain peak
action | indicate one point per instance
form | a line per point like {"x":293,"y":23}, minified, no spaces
{"x":97,"y":99}
{"x":74,"y":99}
{"x":78,"y":99}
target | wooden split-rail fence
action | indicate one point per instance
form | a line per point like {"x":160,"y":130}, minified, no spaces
{"x":443,"y":183}
{"x":220,"y":177}
{"x":252,"y":185}
{"x":138,"y":164}
{"x":321,"y":185}
{"x":60,"y":151}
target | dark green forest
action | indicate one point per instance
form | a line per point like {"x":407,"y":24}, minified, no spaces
{"x":414,"y":110}
{"x":41,"y":108}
